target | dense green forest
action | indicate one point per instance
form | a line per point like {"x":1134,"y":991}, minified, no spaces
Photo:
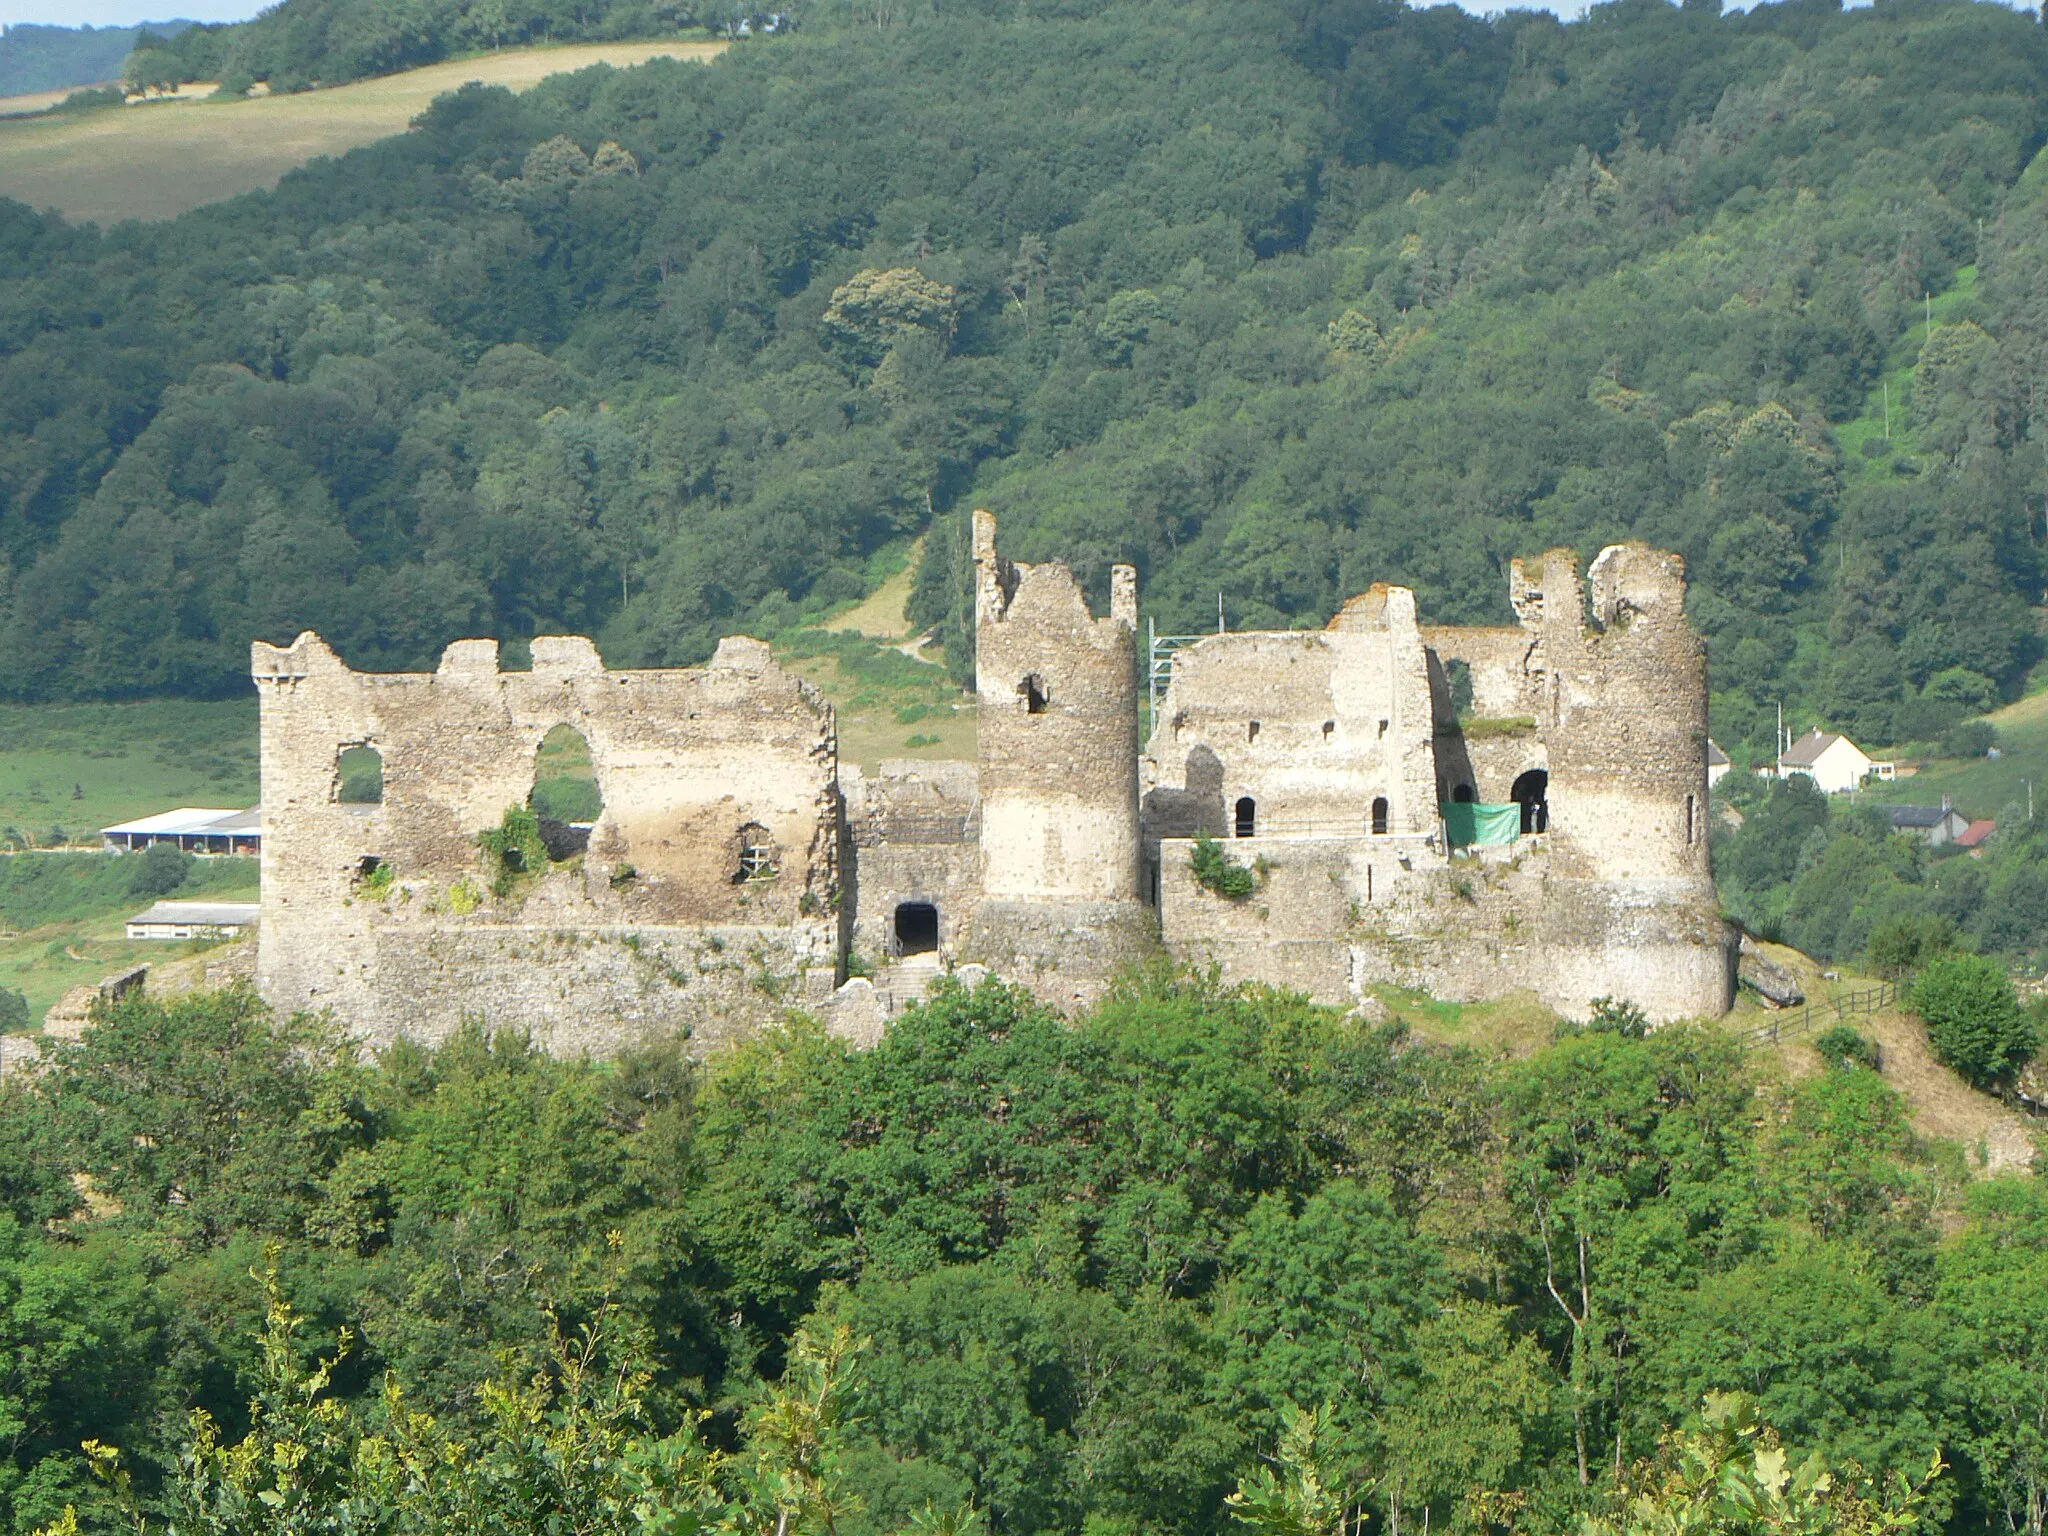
{"x":1088,"y":1274}
{"x":1274,"y":299}
{"x":1833,"y":879}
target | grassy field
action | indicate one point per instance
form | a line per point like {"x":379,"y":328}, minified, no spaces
{"x":893,"y":695}
{"x":61,"y":917}
{"x":158,"y":160}
{"x":36,"y":101}
{"x":85,"y":766}
{"x":1985,"y":786}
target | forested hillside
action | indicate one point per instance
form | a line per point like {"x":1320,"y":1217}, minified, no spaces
{"x":1274,"y":299}
{"x":1089,"y":1274}
{"x":34,"y":58}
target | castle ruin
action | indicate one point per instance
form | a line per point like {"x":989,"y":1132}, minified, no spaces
{"x":736,"y":864}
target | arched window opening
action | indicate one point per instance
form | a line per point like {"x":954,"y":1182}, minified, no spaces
{"x":1251,"y":731}
{"x":1247,"y":819}
{"x":759,"y":858}
{"x":359,"y":775}
{"x":1329,"y":729}
{"x":1379,"y":816}
{"x":565,"y":795}
{"x":564,"y":780}
{"x":1462,"y":795}
{"x":1531,"y":792}
{"x":917,"y":928}
{"x":1034,"y":693}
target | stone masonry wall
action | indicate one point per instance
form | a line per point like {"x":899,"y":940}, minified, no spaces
{"x":663,"y":926}
{"x":1483,"y":925}
{"x":1058,"y":754}
{"x":1603,"y":687}
{"x":915,"y":833}
{"x":1313,"y":728}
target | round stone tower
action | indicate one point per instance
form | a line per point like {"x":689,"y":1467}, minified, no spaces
{"x":1059,"y":731}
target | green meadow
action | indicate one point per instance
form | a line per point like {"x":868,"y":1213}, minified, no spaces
{"x":76,"y":768}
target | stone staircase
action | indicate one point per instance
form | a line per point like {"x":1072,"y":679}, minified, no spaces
{"x":904,"y":984}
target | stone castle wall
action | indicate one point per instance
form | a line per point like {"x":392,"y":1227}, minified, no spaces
{"x":736,"y":865}
{"x":1594,"y":707}
{"x":669,"y":929}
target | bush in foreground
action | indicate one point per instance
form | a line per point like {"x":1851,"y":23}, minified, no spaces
{"x":1974,"y":1019}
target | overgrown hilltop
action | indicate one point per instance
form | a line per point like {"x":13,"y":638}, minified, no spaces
{"x":1272,"y":300}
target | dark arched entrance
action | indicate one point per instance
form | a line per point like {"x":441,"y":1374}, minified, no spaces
{"x":1530,"y":793}
{"x":917,"y":928}
{"x":1247,"y":817}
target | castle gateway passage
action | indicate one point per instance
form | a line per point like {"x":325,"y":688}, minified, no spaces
{"x":721,"y":866}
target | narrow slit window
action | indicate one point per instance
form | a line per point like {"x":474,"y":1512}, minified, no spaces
{"x":1251,"y":731}
{"x":1329,"y":729}
{"x":1692,"y":810}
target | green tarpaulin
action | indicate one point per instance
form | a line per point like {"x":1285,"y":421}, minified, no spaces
{"x":1469,"y":823}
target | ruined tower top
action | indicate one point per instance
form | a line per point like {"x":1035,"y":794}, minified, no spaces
{"x":1058,"y":746}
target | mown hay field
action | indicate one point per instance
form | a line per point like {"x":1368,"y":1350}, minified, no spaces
{"x":158,"y":160}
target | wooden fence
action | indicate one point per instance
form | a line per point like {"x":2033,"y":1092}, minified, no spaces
{"x":1795,"y":1022}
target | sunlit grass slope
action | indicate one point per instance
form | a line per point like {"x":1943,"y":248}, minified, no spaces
{"x":159,"y":160}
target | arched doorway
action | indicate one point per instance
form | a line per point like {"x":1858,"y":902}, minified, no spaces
{"x":1247,"y":817}
{"x":917,"y":928}
{"x":1530,"y":792}
{"x":1379,"y":816}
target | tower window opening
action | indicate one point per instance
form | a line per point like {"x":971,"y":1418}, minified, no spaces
{"x":1251,"y":731}
{"x":1531,"y":792}
{"x":1692,"y":808}
{"x":917,"y":928}
{"x":1379,"y":816}
{"x":359,"y":775}
{"x":1034,"y":694}
{"x":759,"y":858}
{"x":1329,"y":729}
{"x":1247,"y":817}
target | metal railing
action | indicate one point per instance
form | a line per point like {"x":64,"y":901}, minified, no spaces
{"x":1839,"y":1009}
{"x":1159,"y":650}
